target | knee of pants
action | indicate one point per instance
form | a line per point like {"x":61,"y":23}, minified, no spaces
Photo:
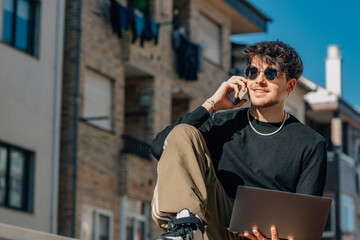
{"x":182,"y":131}
{"x":186,"y":138}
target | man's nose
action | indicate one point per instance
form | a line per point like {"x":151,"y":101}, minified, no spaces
{"x":261,"y":78}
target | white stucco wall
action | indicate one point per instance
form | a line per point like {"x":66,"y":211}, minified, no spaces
{"x":27,"y":110}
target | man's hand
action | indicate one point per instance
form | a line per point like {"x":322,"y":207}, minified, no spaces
{"x":258,"y":235}
{"x":221,"y":97}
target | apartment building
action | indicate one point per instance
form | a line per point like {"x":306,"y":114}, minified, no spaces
{"x":131,"y":67}
{"x":330,"y":115}
{"x":31,"y":35}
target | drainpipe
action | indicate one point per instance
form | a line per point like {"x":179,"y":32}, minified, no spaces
{"x":76,"y":118}
{"x":59,"y":36}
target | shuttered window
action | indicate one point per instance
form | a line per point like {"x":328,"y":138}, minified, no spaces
{"x":210,"y":39}
{"x":98,"y":100}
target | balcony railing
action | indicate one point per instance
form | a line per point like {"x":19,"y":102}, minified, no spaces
{"x":136,"y":146}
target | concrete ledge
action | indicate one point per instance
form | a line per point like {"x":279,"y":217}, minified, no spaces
{"x":9,"y":232}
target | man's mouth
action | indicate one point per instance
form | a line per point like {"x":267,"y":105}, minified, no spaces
{"x":260,"y":91}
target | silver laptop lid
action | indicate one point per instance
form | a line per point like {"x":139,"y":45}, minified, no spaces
{"x":298,"y":215}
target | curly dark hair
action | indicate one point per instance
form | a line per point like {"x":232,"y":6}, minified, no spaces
{"x":282,"y":55}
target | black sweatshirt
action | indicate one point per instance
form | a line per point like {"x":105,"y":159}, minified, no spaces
{"x":292,"y":160}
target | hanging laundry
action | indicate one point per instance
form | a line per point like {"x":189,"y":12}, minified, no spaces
{"x":191,"y":61}
{"x":155,"y":31}
{"x":138,"y":24}
{"x":175,"y":37}
{"x":151,"y":31}
{"x":200,"y":59}
{"x":187,"y":59}
{"x":124,"y":17}
{"x":131,"y":19}
{"x":142,"y":5}
{"x":119,"y":18}
{"x":141,"y":25}
{"x":114,"y":17}
{"x":189,"y":56}
{"x":147,"y":33}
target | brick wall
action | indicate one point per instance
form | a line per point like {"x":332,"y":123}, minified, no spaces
{"x":97,"y":176}
{"x":104,"y":174}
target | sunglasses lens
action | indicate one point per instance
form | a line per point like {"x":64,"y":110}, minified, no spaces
{"x":251,"y":72}
{"x":270,"y":73}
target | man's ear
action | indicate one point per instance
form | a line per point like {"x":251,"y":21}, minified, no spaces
{"x":291,"y":84}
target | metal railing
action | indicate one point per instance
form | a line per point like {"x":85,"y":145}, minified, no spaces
{"x":136,"y":146}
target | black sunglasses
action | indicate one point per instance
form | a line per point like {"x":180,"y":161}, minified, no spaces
{"x":251,"y":72}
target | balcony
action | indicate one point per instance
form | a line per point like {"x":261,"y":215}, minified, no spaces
{"x":138,"y":34}
{"x":137,"y":171}
{"x":137,"y":147}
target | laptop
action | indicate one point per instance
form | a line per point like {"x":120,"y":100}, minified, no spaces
{"x":301,"y":216}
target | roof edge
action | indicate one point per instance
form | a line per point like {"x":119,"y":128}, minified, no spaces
{"x":249,"y":11}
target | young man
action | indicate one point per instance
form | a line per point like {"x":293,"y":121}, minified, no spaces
{"x":203,"y":159}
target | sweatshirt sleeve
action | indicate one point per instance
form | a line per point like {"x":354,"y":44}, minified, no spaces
{"x":313,"y":177}
{"x":195,"y":118}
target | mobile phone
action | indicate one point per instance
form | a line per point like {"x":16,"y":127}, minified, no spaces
{"x":242,"y":95}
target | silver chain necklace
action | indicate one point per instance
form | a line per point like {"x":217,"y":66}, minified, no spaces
{"x":266,"y":134}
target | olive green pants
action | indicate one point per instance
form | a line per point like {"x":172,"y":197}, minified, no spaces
{"x":187,"y":179}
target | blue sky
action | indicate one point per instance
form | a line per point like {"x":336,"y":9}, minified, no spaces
{"x":310,"y":26}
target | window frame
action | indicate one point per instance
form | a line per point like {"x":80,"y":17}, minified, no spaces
{"x":97,"y":212}
{"x":138,"y":218}
{"x":33,"y":28}
{"x":27,"y":181}
{"x":93,"y":229}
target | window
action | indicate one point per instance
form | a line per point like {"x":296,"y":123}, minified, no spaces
{"x":98,"y":98}
{"x":210,"y":39}
{"x":135,"y":218}
{"x":330,"y":227}
{"x":179,"y":107}
{"x":347,"y":213}
{"x":21,"y":25}
{"x":96,"y":224}
{"x":16,"y":178}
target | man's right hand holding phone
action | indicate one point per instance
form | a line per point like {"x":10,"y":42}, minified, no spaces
{"x":221,"y":99}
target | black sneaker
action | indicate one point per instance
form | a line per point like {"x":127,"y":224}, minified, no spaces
{"x":185,"y":226}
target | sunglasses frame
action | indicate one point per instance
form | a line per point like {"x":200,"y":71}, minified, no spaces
{"x":258,"y":72}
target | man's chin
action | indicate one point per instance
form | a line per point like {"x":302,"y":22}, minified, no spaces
{"x":264,"y":104}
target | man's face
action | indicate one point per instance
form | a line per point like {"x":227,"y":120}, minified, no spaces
{"x":264,"y":93}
